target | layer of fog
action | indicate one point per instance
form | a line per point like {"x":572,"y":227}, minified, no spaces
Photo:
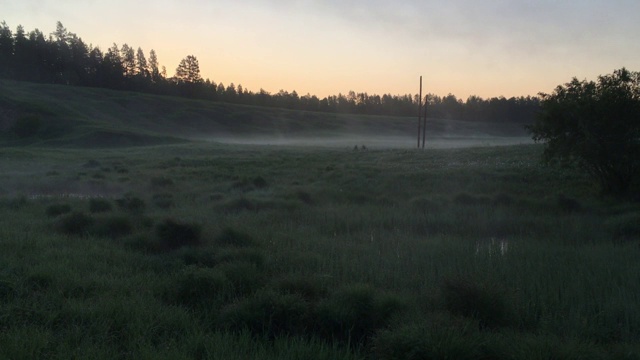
{"x":374,"y":142}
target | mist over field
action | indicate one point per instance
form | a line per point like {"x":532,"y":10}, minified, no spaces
{"x":350,"y":141}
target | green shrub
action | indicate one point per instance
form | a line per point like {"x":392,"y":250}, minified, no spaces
{"x":27,"y":126}
{"x":99,"y":205}
{"x":114,"y":227}
{"x":468,"y":199}
{"x":253,"y":256}
{"x":268,"y":314}
{"x":353,"y":314}
{"x":238,"y":205}
{"x":58,"y":209}
{"x":309,"y":288}
{"x":305,"y":197}
{"x":163,"y":200}
{"x":131,"y":204}
{"x":625,"y":227}
{"x":417,"y":341}
{"x":260,"y":183}
{"x":173,"y":235}
{"x":199,"y":256}
{"x":75,"y":223}
{"x":245,"y":277}
{"x":567,"y":204}
{"x":198,"y":287}
{"x":487,"y":304}
{"x":160,"y":182}
{"x":231,"y":237}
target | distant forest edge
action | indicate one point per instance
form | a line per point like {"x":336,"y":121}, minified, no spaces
{"x":64,"y":58}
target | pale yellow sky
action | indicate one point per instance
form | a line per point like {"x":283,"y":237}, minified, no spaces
{"x":464,"y":47}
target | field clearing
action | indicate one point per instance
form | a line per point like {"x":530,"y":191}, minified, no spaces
{"x":209,"y":250}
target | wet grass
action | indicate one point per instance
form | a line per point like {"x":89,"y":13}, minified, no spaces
{"x":212,"y":251}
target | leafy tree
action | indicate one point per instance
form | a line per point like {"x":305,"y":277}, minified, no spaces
{"x":154,"y":66}
{"x":597,"y":126}
{"x":128,"y":60}
{"x":188,"y":71}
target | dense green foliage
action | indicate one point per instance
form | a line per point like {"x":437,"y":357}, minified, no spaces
{"x":477,"y":253}
{"x":64,"y":58}
{"x":596,"y":125}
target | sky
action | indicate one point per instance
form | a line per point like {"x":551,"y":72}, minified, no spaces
{"x":487,"y":48}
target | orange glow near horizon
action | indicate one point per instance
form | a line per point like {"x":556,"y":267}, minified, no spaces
{"x":378,"y":47}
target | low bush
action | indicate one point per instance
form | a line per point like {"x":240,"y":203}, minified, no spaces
{"x":353,"y":314}
{"x":97,"y":205}
{"x":113,"y":227}
{"x":198,"y":287}
{"x":173,"y":235}
{"x":75,"y":223}
{"x":309,"y":288}
{"x":468,"y":199}
{"x":27,"y":126}
{"x":625,"y":227}
{"x":58,"y":209}
{"x":245,"y":277}
{"x":487,"y":304}
{"x":163,"y":200}
{"x":260,"y":183}
{"x":131,"y":204}
{"x":231,"y":237}
{"x":567,"y":204}
{"x":253,"y":256}
{"x":268,"y":314}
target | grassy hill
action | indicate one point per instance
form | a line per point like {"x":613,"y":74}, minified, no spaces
{"x":87,"y":117}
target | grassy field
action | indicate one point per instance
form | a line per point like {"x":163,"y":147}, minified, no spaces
{"x":209,"y":251}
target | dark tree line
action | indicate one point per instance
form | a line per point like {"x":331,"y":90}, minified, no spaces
{"x":63,"y":57}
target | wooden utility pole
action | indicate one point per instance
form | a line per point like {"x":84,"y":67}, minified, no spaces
{"x":424,"y":126}
{"x":419,"y":111}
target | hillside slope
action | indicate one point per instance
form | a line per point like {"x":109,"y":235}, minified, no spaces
{"x":87,"y":117}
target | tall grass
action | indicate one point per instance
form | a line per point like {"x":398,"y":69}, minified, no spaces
{"x":468,"y":253}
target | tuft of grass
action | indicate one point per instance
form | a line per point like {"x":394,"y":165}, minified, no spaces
{"x":57,"y":210}
{"x":268,"y":314}
{"x":231,"y":237}
{"x":160,"y":182}
{"x":568,"y":204}
{"x":625,"y":227}
{"x":113,"y":227}
{"x":353,"y":314}
{"x":163,"y":200}
{"x":311,"y":289}
{"x":487,"y":304}
{"x":260,"y":183}
{"x":198,"y":287}
{"x":245,"y":277}
{"x":470,"y":200}
{"x":173,"y":235}
{"x":75,"y":223}
{"x":97,"y":205}
{"x":131,"y":204}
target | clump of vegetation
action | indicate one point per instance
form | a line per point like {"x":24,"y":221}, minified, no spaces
{"x":353,"y":314}
{"x":163,"y":200}
{"x":27,"y":126}
{"x":311,"y":289}
{"x":75,"y":223}
{"x":131,"y":204}
{"x":487,"y":304}
{"x":625,"y":227}
{"x":260,"y":183}
{"x":97,"y":205}
{"x":595,"y":126}
{"x":161,"y":182}
{"x":114,"y":227}
{"x":246,"y":277}
{"x":268,"y":314}
{"x":468,"y":199}
{"x":250,"y":255}
{"x":231,"y":237}
{"x":92,"y":163}
{"x":238,"y":205}
{"x":58,"y":209}
{"x":173,"y":235}
{"x":567,"y":204}
{"x":304,"y":196}
{"x":198,"y":287}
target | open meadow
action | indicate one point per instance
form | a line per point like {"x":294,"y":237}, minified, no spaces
{"x":205,"y":250}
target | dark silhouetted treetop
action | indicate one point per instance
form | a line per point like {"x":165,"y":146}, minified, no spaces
{"x":188,"y":71}
{"x":596,"y":125}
